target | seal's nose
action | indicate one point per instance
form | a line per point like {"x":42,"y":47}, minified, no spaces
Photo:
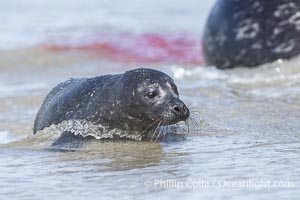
{"x":180,"y":110}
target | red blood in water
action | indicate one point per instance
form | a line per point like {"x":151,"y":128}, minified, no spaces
{"x":144,"y":48}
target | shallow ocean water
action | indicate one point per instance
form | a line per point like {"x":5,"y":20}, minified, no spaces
{"x":251,"y":133}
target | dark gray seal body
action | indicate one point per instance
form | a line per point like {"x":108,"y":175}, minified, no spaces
{"x":137,"y":101}
{"x":251,"y":32}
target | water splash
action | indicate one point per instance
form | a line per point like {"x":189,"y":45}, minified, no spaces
{"x":86,"y":128}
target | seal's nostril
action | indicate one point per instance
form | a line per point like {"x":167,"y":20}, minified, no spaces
{"x":177,"y":109}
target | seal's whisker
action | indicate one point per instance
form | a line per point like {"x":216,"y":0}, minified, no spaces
{"x":165,"y":125}
{"x":197,"y":117}
{"x":190,"y":125}
{"x":187,"y":128}
{"x":158,"y":134}
{"x":157,"y":128}
{"x":152,"y":124}
{"x":163,"y":131}
{"x":195,"y":124}
{"x":196,"y":120}
{"x":189,"y":105}
{"x":194,"y":127}
{"x":167,"y":130}
{"x":196,"y":111}
{"x":164,"y":134}
{"x":193,"y":107}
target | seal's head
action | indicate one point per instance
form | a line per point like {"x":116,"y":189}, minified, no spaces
{"x":153,"y":99}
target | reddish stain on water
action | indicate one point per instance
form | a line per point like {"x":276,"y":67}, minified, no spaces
{"x":142,"y":48}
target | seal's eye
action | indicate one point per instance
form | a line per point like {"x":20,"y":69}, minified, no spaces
{"x":151,"y":95}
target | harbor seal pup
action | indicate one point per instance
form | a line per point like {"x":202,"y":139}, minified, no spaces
{"x":251,"y":32}
{"x":131,"y":104}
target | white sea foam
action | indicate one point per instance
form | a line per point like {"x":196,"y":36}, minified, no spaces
{"x":86,"y":128}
